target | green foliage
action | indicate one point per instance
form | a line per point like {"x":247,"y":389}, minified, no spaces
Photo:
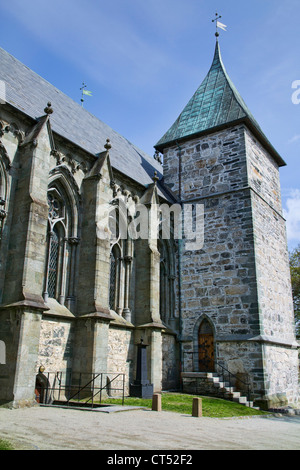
{"x":5,"y":445}
{"x":295,"y":275}
{"x":182,"y":403}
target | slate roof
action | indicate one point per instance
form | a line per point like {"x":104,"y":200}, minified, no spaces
{"x":215,"y":104}
{"x":29,"y":93}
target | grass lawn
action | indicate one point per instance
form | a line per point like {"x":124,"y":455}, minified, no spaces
{"x":5,"y":445}
{"x":182,"y":403}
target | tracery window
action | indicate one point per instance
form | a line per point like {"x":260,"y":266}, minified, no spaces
{"x":3,"y":194}
{"x":167,"y":279}
{"x":62,"y":245}
{"x":121,"y":258}
{"x":113,"y":286}
{"x":120,"y":278}
{"x":53,"y":263}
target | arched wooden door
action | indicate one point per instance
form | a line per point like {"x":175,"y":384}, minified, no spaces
{"x":206,"y":350}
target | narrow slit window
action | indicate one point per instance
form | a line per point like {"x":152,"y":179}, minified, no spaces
{"x":53,"y":263}
{"x":112,"y":286}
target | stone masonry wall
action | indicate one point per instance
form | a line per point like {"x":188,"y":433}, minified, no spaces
{"x":170,"y":359}
{"x":244,"y":360}
{"x":272,"y":264}
{"x":55,"y":352}
{"x":240,"y":279}
{"x":209,"y":165}
{"x":120,"y":357}
{"x":282,"y":386}
{"x":277,"y":324}
{"x":263,"y":172}
{"x":271,"y":253}
{"x":219,"y":279}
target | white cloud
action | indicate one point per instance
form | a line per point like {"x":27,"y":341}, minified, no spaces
{"x":294,"y":139}
{"x":292,"y":215}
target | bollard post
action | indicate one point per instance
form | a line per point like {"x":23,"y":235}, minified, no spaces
{"x":197,"y":408}
{"x":156,"y":402}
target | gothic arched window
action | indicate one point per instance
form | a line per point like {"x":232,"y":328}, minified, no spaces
{"x":121,"y":258}
{"x":3,"y":190}
{"x":62,"y":244}
{"x":53,"y":263}
{"x":167,"y":279}
{"x":113,"y":280}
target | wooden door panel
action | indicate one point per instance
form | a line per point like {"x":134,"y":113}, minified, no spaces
{"x":206,"y":352}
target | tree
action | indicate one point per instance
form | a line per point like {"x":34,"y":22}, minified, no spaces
{"x":295,"y":275}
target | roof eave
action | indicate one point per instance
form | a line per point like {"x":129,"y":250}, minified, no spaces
{"x":244,"y":120}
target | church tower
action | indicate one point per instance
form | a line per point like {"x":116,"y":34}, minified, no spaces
{"x":235,"y":293}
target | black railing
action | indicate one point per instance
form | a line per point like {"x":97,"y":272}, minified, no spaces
{"x":233,"y":380}
{"x":82,"y":389}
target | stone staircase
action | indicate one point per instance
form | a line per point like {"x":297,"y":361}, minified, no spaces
{"x":212,"y":384}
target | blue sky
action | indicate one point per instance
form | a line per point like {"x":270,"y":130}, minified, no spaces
{"x":143,"y":60}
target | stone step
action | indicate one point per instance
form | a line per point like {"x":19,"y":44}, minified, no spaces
{"x":233,"y":395}
{"x":229,"y":392}
{"x":223,"y":385}
{"x":240,"y":399}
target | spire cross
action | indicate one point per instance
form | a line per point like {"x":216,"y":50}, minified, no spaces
{"x":216,"y":20}
{"x":82,"y":92}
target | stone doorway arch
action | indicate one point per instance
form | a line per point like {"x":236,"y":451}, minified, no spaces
{"x":206,"y":347}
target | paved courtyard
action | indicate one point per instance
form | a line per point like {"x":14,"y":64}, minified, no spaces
{"x":44,"y":428}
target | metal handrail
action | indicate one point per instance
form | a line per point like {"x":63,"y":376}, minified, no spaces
{"x":223,"y":375}
{"x":92,"y":381}
{"x":230,"y":374}
{"x":105,"y":386}
{"x":63,"y":384}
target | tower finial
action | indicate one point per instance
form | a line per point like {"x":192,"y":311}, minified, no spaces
{"x":155,"y":177}
{"x":218,"y":25}
{"x":48,"y":110}
{"x":107,"y":146}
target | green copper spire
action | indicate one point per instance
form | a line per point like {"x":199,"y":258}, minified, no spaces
{"x":216,"y":104}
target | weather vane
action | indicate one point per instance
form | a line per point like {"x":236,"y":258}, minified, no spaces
{"x":84,"y":92}
{"x":219,"y":24}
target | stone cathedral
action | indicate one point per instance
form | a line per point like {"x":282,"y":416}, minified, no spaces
{"x":74,"y":301}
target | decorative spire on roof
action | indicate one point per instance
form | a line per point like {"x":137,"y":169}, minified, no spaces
{"x":107,"y":146}
{"x":155,"y":177}
{"x":48,"y":110}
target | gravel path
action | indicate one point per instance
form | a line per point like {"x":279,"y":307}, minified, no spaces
{"x":44,"y":428}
